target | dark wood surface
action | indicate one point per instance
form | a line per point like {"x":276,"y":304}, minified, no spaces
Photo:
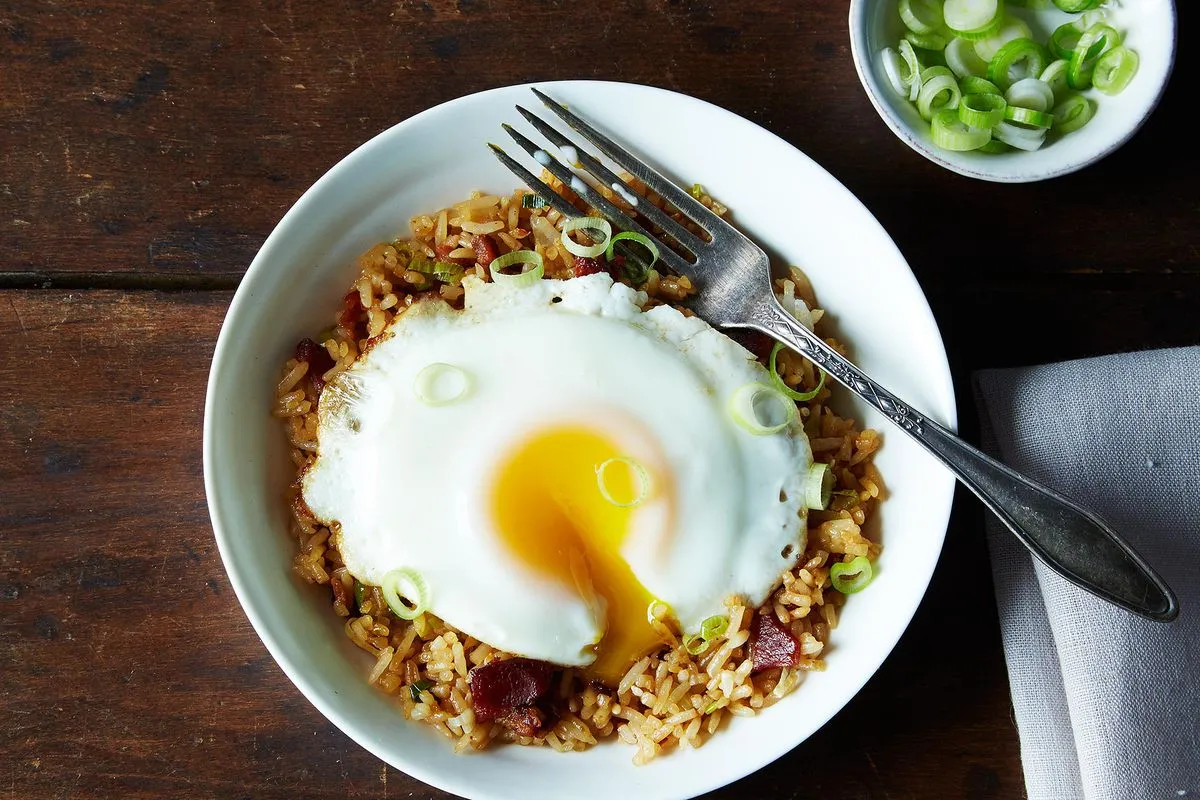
{"x":148,"y":149}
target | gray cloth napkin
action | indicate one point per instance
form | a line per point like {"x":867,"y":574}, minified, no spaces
{"x":1107,"y":704}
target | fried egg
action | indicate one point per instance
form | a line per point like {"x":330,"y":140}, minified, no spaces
{"x":552,"y":460}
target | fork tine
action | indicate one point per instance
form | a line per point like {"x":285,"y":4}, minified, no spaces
{"x":596,"y":200}
{"x":690,"y":206}
{"x":553,"y":198}
{"x":676,"y":231}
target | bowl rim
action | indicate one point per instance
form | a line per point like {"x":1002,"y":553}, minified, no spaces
{"x":225,"y":349}
{"x":857,"y":25}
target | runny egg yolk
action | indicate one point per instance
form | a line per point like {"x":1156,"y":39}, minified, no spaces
{"x":549,"y":510}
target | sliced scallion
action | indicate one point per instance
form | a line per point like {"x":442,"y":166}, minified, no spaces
{"x":1011,"y":28}
{"x":760,"y":409}
{"x":818,"y":484}
{"x":1017,"y":59}
{"x":1114,"y":70}
{"x":439,"y":384}
{"x":938,"y":92}
{"x":967,"y":18}
{"x":415,"y":689}
{"x":951,"y":133}
{"x":922,"y":16}
{"x":622,"y":481}
{"x":777,"y":379}
{"x":533,"y":201}
{"x":695,"y":644}
{"x":1028,"y":117}
{"x":981,"y":111}
{"x":1072,"y":114}
{"x":404,"y":584}
{"x":1055,"y":76}
{"x":963,"y":60}
{"x":914,"y":68}
{"x":935,"y":41}
{"x":633,"y":236}
{"x":973,"y":85}
{"x":532,"y":268}
{"x":598,"y":228}
{"x":714,"y":627}
{"x":1094,"y":43}
{"x":851,"y":576}
{"x":1030,"y":93}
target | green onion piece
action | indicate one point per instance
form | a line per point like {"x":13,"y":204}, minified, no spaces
{"x":1095,"y":42}
{"x":761,"y":409}
{"x":1030,"y":93}
{"x":1073,"y":113}
{"x":994,"y":146}
{"x":914,"y":68}
{"x":818,"y":484}
{"x":714,"y":626}
{"x":780,"y":384}
{"x":967,"y":18}
{"x":697,"y":191}
{"x":415,"y":689}
{"x":981,"y":110}
{"x":1075,"y":6}
{"x":951,"y":133}
{"x":633,"y":236}
{"x":600,"y":230}
{"x":973,"y":85}
{"x":713,"y":706}
{"x":632,"y":491}
{"x":1020,"y":58}
{"x":1018,"y":137}
{"x":1114,"y":70}
{"x":412,"y":585}
{"x":695,"y":644}
{"x":533,"y":201}
{"x":961,"y":57}
{"x":941,"y":92}
{"x":928,"y":41}
{"x":360,"y":594}
{"x":1064,"y":38}
{"x":1011,"y":28}
{"x":896,"y":70}
{"x":852,"y":576}
{"x":1028,"y":117}
{"x":922,"y":16}
{"x":532,"y":270}
{"x":1055,"y":76}
{"x":439,"y":384}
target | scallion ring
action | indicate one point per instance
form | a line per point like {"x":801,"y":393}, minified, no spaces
{"x":940,"y":92}
{"x":1094,"y":43}
{"x":1012,"y":28}
{"x":981,"y":110}
{"x":1072,"y":114}
{"x":851,"y":576}
{"x":533,"y":201}
{"x":1018,"y":137}
{"x":1114,"y":70}
{"x":963,"y":60}
{"x":633,"y":236}
{"x":695,"y":644}
{"x":994,"y":146}
{"x":532,"y":268}
{"x":1020,"y":58}
{"x":1028,"y":117}
{"x":1030,"y":93}
{"x":935,"y":41}
{"x":760,"y":409}
{"x":922,"y":16}
{"x":777,"y":379}
{"x":622,"y":481}
{"x":895,"y":69}
{"x":1055,"y":76}
{"x":968,"y":18}
{"x":818,"y":485}
{"x":598,"y":228}
{"x":951,"y":133}
{"x":973,"y":85}
{"x":914,"y":68}
{"x":714,"y":627}
{"x":1075,"y":6}
{"x":439,"y":384}
{"x":405,"y":584}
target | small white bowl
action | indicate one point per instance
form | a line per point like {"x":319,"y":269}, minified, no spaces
{"x":801,"y":214}
{"x":1147,"y":26}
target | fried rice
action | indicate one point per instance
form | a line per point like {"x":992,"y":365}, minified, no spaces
{"x":670,"y":698}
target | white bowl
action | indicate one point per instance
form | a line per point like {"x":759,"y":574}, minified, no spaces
{"x":294,"y":284}
{"x":1147,"y":27}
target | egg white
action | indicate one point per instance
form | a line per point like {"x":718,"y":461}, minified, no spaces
{"x":406,"y":482}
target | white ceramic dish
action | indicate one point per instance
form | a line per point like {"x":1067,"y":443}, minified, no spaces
{"x":1147,"y":26}
{"x":802,"y":215}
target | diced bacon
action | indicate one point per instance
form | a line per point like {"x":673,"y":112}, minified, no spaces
{"x":509,"y":692}
{"x":771,"y":644}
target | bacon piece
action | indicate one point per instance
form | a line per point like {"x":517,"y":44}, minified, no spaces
{"x":587,"y":266}
{"x":485,"y":249}
{"x":509,"y":691}
{"x":771,"y":644}
{"x":318,"y":360}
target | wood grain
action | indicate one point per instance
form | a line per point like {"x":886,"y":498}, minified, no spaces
{"x":148,"y":147}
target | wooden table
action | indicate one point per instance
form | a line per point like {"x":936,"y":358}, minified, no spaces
{"x":148,"y":149}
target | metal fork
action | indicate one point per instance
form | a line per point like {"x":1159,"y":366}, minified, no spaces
{"x":734,"y":275}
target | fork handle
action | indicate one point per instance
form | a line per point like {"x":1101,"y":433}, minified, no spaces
{"x":1070,"y":540}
